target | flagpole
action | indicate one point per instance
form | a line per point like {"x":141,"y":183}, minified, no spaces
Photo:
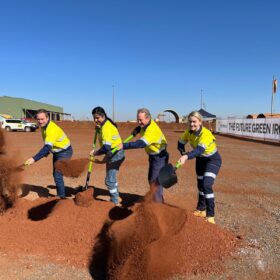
{"x":113,"y":102}
{"x":201,"y":98}
{"x":272,"y":96}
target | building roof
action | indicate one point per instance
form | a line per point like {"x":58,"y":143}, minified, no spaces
{"x":206,"y":114}
{"x":6,"y":116}
{"x":263,"y":116}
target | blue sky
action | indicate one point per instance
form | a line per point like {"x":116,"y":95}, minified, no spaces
{"x":157,"y":54}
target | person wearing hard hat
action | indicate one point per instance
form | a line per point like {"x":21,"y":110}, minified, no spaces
{"x":208,"y":163}
{"x":155,"y":144}
{"x":109,"y":139}
{"x":55,"y":142}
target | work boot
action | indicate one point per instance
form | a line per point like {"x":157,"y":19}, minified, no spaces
{"x":201,"y":214}
{"x":210,"y":220}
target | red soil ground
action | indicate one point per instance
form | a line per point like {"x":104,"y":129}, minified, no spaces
{"x":143,"y":240}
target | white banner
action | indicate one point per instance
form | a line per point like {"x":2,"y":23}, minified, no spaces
{"x":257,"y":128}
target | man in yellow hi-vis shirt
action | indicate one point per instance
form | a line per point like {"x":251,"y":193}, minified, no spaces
{"x":55,"y":142}
{"x":155,"y":144}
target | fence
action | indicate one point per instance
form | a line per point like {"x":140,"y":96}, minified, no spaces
{"x":265,"y":129}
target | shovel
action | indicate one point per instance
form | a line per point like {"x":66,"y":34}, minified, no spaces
{"x":4,"y":170}
{"x":135,"y":131}
{"x":167,"y":175}
{"x":91,"y":159}
{"x":125,"y":141}
{"x":19,"y":168}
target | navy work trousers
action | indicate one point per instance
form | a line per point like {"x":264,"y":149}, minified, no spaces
{"x":207,"y":168}
{"x":57,"y":175}
{"x":156,"y":162}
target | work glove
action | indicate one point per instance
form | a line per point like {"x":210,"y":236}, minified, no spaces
{"x":136,"y":130}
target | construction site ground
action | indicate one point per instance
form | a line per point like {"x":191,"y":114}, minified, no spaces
{"x":247,"y":192}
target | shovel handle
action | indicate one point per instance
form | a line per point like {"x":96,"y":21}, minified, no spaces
{"x":19,"y":167}
{"x":95,"y":138}
{"x":178,"y":165}
{"x":125,"y":141}
{"x":91,"y":159}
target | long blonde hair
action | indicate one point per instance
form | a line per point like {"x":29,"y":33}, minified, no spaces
{"x":195,"y":114}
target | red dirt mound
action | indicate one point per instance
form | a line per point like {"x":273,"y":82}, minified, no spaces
{"x":84,"y":198}
{"x":159,"y":241}
{"x":2,"y":141}
{"x":10,"y":179}
{"x":72,"y":168}
{"x":150,"y":241}
{"x":56,"y":229}
{"x":10,"y":183}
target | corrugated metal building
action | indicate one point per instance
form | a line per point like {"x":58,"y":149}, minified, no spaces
{"x":24,"y":108}
{"x":263,"y":116}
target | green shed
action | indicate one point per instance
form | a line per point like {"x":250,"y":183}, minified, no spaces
{"x":25,"y":108}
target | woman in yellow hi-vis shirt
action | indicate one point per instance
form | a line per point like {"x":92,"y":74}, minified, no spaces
{"x":208,"y":163}
{"x":109,"y":139}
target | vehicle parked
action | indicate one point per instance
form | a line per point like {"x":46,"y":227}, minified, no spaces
{"x":18,"y":125}
{"x":32,"y":121}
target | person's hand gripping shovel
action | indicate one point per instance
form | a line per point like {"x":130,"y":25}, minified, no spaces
{"x":135,"y":131}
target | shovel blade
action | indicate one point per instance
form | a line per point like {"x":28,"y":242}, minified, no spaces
{"x":167,"y":176}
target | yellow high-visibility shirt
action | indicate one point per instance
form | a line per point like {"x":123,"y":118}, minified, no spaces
{"x":204,"y":138}
{"x":109,"y":135}
{"x":154,"y":139}
{"x":54,"y":136}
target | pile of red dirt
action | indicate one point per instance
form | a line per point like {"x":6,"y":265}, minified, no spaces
{"x":148,"y":241}
{"x":159,"y":241}
{"x":58,"y":230}
{"x":2,"y":142}
{"x":10,"y":179}
{"x":10,"y":182}
{"x":72,"y":168}
{"x":84,"y":198}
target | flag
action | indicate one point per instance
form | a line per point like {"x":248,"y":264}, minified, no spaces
{"x":274,"y":86}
